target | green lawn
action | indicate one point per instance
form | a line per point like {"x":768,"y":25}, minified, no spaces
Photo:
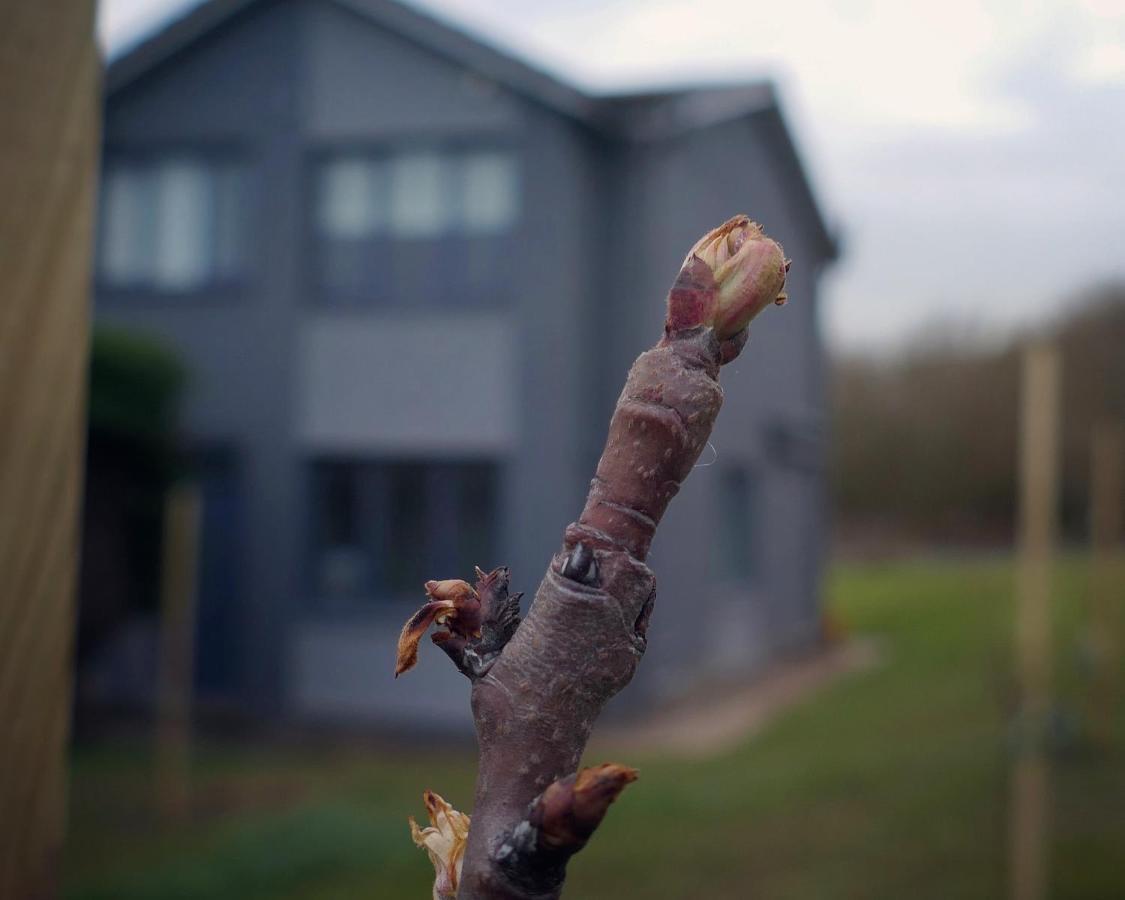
{"x":889,"y":784}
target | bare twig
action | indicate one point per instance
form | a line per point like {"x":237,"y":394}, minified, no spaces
{"x":539,"y":686}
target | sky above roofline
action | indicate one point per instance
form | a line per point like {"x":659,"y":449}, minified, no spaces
{"x":969,"y":151}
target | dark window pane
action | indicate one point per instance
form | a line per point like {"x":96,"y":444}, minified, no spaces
{"x":343,"y":562}
{"x":383,"y":529}
{"x":423,"y":272}
{"x":339,"y":504}
{"x":477,"y":517}
{"x":343,"y":266}
{"x":408,"y":523}
{"x":736,"y":523}
{"x":442,"y":483}
{"x":231,"y":223}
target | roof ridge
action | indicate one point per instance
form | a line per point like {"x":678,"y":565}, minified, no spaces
{"x":649,"y":114}
{"x":420,"y":25}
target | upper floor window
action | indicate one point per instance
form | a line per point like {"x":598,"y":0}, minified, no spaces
{"x":171,"y":224}
{"x":421,"y":194}
{"x":416,"y":226}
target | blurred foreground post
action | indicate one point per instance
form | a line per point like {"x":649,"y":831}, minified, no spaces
{"x":48,"y":150}
{"x":177,"y":652}
{"x":1107,"y":446}
{"x":1039,"y":443}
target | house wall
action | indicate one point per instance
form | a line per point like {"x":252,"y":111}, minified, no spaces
{"x":237,"y":90}
{"x":283,"y":379}
{"x":509,"y":378}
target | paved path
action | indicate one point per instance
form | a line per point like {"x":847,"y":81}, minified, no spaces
{"x":706,"y":725}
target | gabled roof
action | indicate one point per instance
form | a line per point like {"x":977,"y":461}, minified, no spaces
{"x":393,"y":16}
{"x":648,"y":116}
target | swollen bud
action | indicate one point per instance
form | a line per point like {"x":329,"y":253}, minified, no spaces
{"x":567,"y":813}
{"x":730,"y":275}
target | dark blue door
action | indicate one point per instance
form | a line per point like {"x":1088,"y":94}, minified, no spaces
{"x":218,"y":667}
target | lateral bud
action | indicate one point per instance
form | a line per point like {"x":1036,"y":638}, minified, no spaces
{"x":569,"y":811}
{"x":559,"y":822}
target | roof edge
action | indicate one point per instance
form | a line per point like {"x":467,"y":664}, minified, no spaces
{"x":828,"y":238}
{"x":417,"y":25}
{"x":648,"y":115}
{"x":174,"y":35}
{"x":662,"y":114}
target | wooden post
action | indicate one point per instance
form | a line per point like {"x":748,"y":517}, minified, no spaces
{"x":177,"y":652}
{"x":1107,"y":447}
{"x":1039,"y":452}
{"x":48,"y":151}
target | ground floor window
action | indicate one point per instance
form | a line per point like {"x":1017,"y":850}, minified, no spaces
{"x":382,"y":528}
{"x":738,"y":539}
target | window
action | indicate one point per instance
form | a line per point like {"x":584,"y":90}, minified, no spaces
{"x":416,"y":195}
{"x":737,"y":541}
{"x":421,"y":200}
{"x":382,"y":529}
{"x":488,"y":192}
{"x":414,"y":227}
{"x":352,"y":202}
{"x":173,"y":224}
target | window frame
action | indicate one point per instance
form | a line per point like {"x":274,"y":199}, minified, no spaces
{"x":149,"y":156}
{"x":450,"y":147}
{"x":382,"y":597}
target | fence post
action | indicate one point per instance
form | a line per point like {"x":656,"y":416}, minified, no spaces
{"x":177,"y":652}
{"x":1039,"y":453}
{"x":48,"y":151}
{"x":1107,"y":446}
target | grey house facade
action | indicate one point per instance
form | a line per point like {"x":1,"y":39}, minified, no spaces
{"x":407,"y":274}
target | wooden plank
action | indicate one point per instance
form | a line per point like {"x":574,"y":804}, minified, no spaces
{"x":1039,"y":463}
{"x":1107,"y":448}
{"x":48,"y":151}
{"x":177,"y":652}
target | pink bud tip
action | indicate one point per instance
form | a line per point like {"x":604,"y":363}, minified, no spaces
{"x":748,"y":271}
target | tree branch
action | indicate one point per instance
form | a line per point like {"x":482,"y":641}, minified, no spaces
{"x":539,"y":687}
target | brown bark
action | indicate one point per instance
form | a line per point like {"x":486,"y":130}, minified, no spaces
{"x":540,"y":685}
{"x":585,"y":633}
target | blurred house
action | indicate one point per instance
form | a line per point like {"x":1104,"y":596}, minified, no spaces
{"x":406,"y":274}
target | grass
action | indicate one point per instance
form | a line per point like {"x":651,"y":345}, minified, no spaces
{"x":891,"y":783}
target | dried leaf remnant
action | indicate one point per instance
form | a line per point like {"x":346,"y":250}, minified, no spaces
{"x":444,"y":840}
{"x":454,"y":604}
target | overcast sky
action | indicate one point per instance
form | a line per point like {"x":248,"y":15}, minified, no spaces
{"x":971,"y":154}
